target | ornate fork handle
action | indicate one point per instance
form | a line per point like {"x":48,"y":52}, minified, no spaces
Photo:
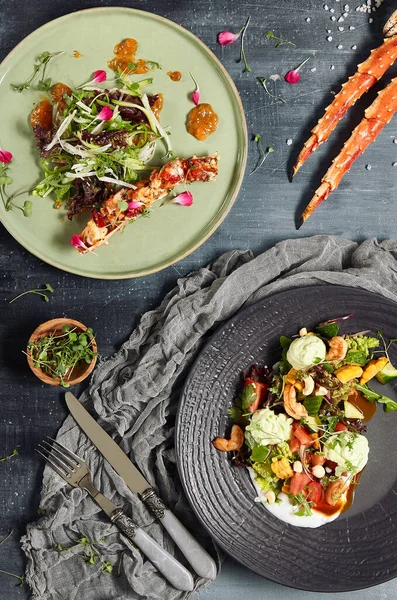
{"x":172,"y":570}
{"x":201,"y":561}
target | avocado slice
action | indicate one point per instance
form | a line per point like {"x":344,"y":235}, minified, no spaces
{"x":387,"y":374}
{"x":352,"y":412}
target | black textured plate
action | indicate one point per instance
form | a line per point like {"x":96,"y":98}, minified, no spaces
{"x":357,"y":550}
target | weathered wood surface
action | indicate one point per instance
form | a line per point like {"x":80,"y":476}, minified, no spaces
{"x":264,"y":213}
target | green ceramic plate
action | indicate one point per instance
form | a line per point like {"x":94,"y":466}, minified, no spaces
{"x":172,"y":231}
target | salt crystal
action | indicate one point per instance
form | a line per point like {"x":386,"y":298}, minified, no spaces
{"x":332,"y":67}
{"x":346,"y":8}
{"x":345,"y":15}
{"x":394,"y":164}
{"x":333,"y":18}
{"x":354,"y":47}
{"x":339,"y":46}
{"x":331,"y":10}
{"x":370,"y":20}
{"x":329,"y":30}
{"x":289,"y":142}
{"x":341,"y":28}
{"x":326,"y":7}
{"x":329,"y":38}
{"x":313,"y":69}
{"x":351,"y":28}
{"x":308,"y":20}
{"x":395,"y":141}
{"x":340,"y":20}
{"x":368,"y":167}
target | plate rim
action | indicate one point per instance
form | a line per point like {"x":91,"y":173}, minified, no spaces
{"x":244,"y":151}
{"x":241,"y":312}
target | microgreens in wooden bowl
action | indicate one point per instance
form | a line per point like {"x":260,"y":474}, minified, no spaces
{"x":62,"y":352}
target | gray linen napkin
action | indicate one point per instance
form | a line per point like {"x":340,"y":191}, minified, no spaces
{"x":135,"y":396}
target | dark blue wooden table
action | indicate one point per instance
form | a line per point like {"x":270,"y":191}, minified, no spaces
{"x":264,"y":213}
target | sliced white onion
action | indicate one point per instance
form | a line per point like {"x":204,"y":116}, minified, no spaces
{"x":62,"y":128}
{"x":146,"y":153}
{"x":160,"y":129}
{"x":117,"y":182}
{"x":84,"y":107}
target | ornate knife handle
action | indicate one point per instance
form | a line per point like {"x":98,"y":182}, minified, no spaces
{"x":201,"y":561}
{"x":172,"y":570}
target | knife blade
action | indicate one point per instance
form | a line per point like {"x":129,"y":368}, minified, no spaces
{"x":200,"y":560}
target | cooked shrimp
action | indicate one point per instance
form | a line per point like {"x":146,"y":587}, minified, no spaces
{"x":235,"y":443}
{"x":337,"y":348}
{"x":295,"y":409}
{"x":335,"y":491}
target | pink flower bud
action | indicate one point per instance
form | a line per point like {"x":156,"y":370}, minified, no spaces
{"x":184,"y":199}
{"x":106,"y":114}
{"x":77,"y":242}
{"x":227,"y":37}
{"x":5,"y":156}
{"x":294,"y":75}
{"x":196,"y":93}
{"x":99,"y":76}
{"x":134,"y":204}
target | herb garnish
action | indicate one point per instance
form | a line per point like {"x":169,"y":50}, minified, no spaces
{"x":90,"y":554}
{"x":262,"y":80}
{"x":375,"y":397}
{"x":4,"y":458}
{"x":279,"y":41}
{"x":242,"y":51}
{"x":39,"y":292}
{"x":263,"y":154}
{"x":20,"y":577}
{"x":41,"y":64}
{"x":58,"y":355}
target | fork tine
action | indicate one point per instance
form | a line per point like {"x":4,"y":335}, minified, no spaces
{"x":58,"y":461}
{"x":61,"y":455}
{"x":68,"y":452}
{"x":52,"y":465}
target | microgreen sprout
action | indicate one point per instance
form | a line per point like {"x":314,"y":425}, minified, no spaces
{"x":90,"y":553}
{"x":4,"y":458}
{"x":40,"y":65}
{"x":243,"y":58}
{"x":20,"y":577}
{"x":262,"y":80}
{"x":58,"y":354}
{"x":39,"y":292}
{"x":263,"y":154}
{"x":278,"y":40}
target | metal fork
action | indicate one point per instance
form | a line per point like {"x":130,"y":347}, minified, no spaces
{"x":74,"y":471}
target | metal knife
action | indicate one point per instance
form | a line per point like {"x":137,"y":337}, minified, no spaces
{"x":195,"y":554}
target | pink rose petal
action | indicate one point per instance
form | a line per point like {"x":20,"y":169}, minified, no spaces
{"x":227,"y":37}
{"x":106,"y":114}
{"x":196,"y":93}
{"x":184,"y":199}
{"x":5,"y":156}
{"x":77,"y":242}
{"x":99,"y":76}
{"x":134,"y":204}
{"x":292,"y":76}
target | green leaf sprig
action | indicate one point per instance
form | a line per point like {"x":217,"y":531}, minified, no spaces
{"x":58,"y":355}
{"x":243,"y":58}
{"x":90,"y":553}
{"x":270,"y":35}
{"x":40,"y":65}
{"x":262,"y":81}
{"x":20,"y":577}
{"x":38,"y":292}
{"x":4,"y":458}
{"x":263,"y":154}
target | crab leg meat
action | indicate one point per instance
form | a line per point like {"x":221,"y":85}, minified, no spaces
{"x":368,"y":73}
{"x":113,"y":216}
{"x":377,"y":115}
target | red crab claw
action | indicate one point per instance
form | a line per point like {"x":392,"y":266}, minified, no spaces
{"x":368,"y":73}
{"x":377,"y":115}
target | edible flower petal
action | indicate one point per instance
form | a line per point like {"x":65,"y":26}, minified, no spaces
{"x":227,"y":37}
{"x":106,"y":114}
{"x":77,"y":242}
{"x":293,"y":76}
{"x":134,"y":204}
{"x":99,"y":76}
{"x":5,"y":156}
{"x":196,"y":93}
{"x":184,"y":199}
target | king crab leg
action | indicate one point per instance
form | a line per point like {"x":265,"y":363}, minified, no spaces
{"x":368,"y":73}
{"x":377,"y":115}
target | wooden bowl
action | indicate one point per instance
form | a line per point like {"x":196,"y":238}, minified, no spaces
{"x":80,"y":372}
